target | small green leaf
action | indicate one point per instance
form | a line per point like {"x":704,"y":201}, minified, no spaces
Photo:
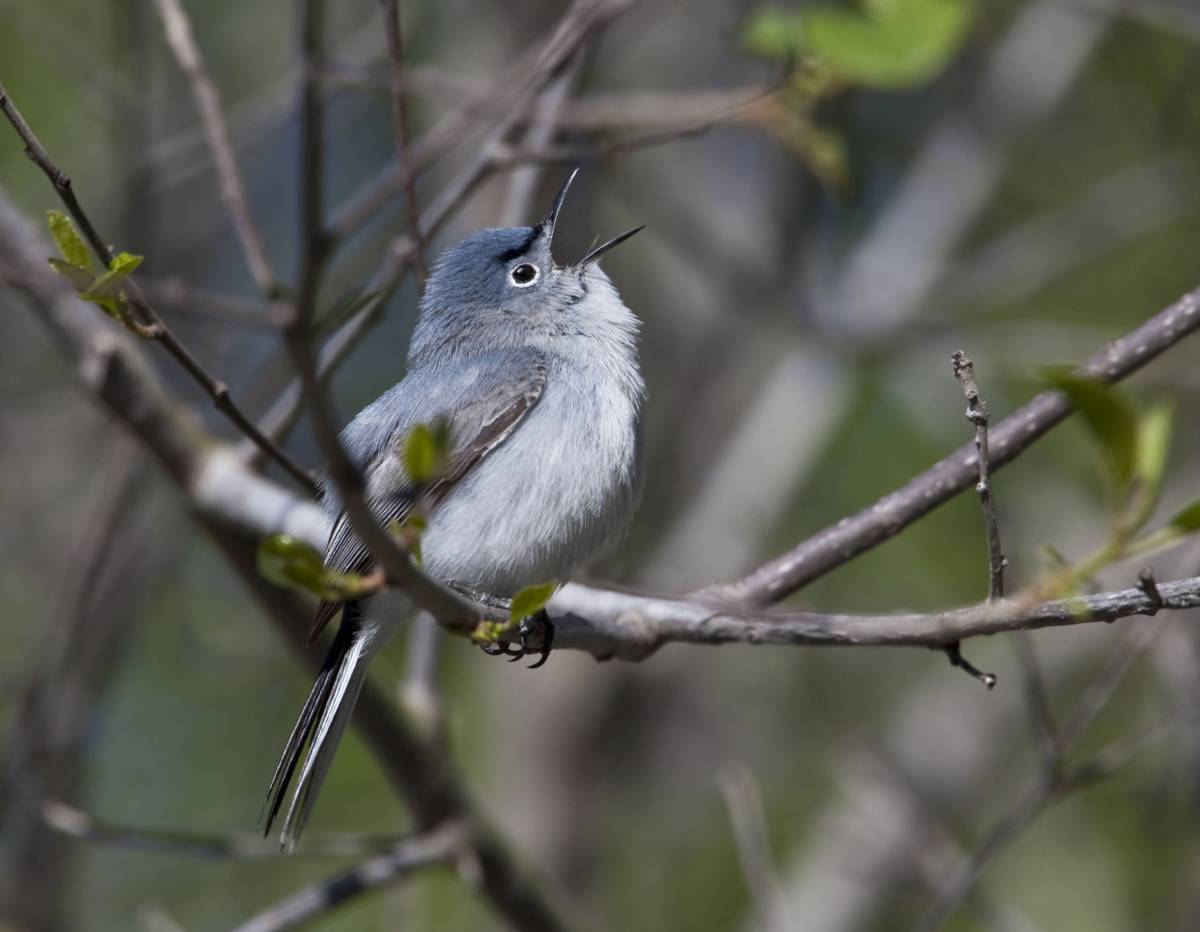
{"x":891,"y":44}
{"x":425,"y":451}
{"x":1111,"y":419}
{"x":1187,"y":519}
{"x":80,"y":279}
{"x":409,"y":532}
{"x":1153,"y":441}
{"x":531,"y":600}
{"x":108,"y":285}
{"x":294,"y":564}
{"x":69,"y":243}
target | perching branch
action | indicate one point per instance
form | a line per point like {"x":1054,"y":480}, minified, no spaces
{"x":607,"y":623}
{"x":150,"y":325}
{"x":841,"y":542}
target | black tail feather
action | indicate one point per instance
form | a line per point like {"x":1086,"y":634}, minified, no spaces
{"x":300,"y":744}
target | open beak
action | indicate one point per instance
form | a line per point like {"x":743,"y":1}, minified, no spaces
{"x":552,"y":218}
{"x":547,"y":226}
{"x":605,"y":247}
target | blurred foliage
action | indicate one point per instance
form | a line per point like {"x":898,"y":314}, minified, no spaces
{"x":887,"y":44}
{"x":294,"y":564}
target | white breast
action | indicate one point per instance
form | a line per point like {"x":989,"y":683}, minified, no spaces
{"x":553,"y":495}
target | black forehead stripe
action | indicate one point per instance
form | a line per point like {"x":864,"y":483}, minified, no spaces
{"x":509,"y":254}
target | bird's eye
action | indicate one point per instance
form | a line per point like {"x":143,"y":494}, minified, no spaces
{"x":524,"y":275}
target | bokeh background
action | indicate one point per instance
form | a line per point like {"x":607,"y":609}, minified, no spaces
{"x":1026,"y":190}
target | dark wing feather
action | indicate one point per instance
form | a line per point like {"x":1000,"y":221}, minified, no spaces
{"x":475,"y":431}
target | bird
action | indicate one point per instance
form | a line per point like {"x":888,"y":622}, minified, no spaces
{"x":530,"y":371}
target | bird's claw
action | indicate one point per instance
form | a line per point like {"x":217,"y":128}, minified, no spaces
{"x":535,"y":624}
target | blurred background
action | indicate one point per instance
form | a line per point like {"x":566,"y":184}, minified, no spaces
{"x":1016,"y":178}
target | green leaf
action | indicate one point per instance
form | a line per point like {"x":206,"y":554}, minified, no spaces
{"x":80,"y":279}
{"x":425,"y":451}
{"x":294,"y":564}
{"x":531,"y":600}
{"x":108,"y":285}
{"x":1188,"y":519}
{"x":1109,"y":416}
{"x":409,"y":532}
{"x":69,"y":243}
{"x":1153,"y":441}
{"x":890,"y":44}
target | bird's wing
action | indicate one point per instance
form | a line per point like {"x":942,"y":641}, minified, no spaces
{"x":478,"y":417}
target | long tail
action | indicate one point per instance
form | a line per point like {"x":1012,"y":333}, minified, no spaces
{"x":319,"y":728}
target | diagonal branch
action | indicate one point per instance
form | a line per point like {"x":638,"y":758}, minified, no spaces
{"x":151,"y":326}
{"x":840,"y":543}
{"x":438,"y":848}
{"x":178,"y":29}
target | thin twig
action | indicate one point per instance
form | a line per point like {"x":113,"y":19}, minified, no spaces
{"x":578,"y":24}
{"x":523,"y":183}
{"x":1044,"y":790}
{"x":749,"y":823}
{"x":1037,"y":700}
{"x":177,"y":296}
{"x":178,"y":30}
{"x":1100,"y":691}
{"x":76,"y":823}
{"x":437,"y":848}
{"x":314,"y":240}
{"x":501,"y":111}
{"x":297,"y":327}
{"x":841,"y":542}
{"x":977,"y":414}
{"x":395,"y":45}
{"x":150,"y":326}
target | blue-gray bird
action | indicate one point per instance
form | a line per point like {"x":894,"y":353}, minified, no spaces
{"x":533,"y":369}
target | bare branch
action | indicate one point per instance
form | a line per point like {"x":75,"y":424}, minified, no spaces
{"x":1046,"y":788}
{"x":225,"y":495}
{"x":842,"y":542}
{"x":977,"y":414}
{"x":607,"y":623}
{"x":746,"y":815}
{"x":395,"y":45}
{"x":578,"y":24}
{"x":76,"y":823}
{"x":178,"y":29}
{"x":437,"y":848}
{"x":314,"y":240}
{"x":297,"y":326}
{"x":175,"y":295}
{"x":582,"y":20}
{"x":150,"y":325}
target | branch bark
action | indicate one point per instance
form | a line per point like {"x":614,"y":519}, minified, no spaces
{"x":839,"y":543}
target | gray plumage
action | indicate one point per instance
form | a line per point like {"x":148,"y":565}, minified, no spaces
{"x":535,"y":374}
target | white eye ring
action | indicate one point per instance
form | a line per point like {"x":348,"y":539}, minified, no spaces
{"x":524,"y":269}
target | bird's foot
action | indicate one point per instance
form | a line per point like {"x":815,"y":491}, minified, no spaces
{"x":536,"y":628}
